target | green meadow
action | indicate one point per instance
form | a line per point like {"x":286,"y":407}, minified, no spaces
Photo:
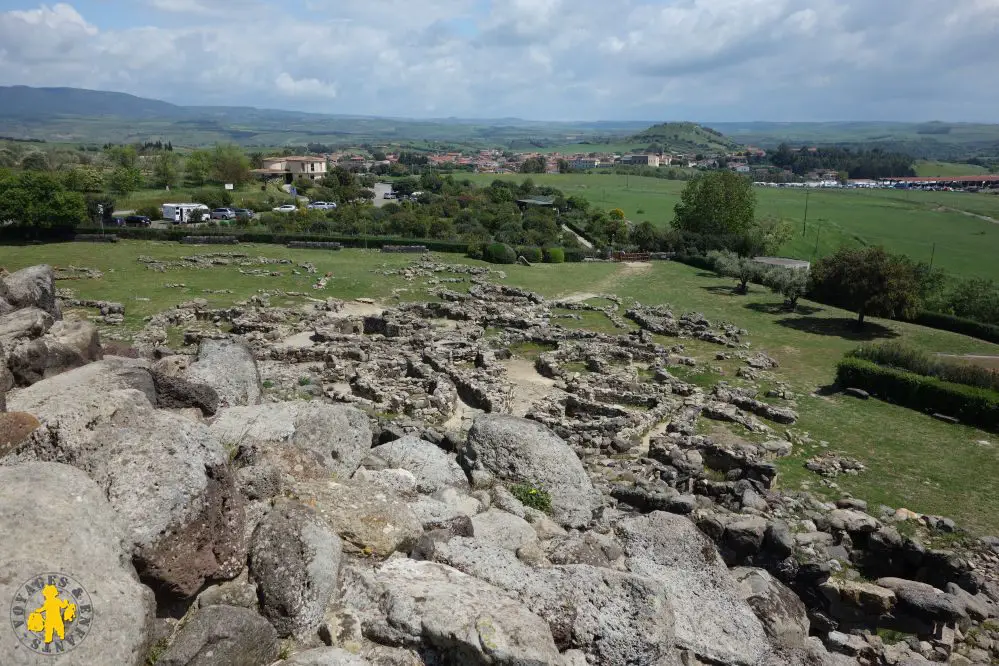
{"x":942,"y":226}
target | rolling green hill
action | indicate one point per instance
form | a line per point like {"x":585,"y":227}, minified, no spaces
{"x":686,"y":137}
{"x":931,"y":140}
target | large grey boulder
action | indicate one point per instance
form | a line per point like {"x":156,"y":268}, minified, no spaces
{"x":783,"y":614}
{"x":165,"y":475}
{"x":371,"y":520}
{"x":22,"y":325}
{"x":618,"y":618}
{"x":73,"y":399}
{"x":455,"y":618}
{"x":433,"y":468}
{"x":180,"y":393}
{"x":53,"y":518}
{"x":302,"y":438}
{"x":295,"y":560}
{"x":230,"y":369}
{"x":521,"y":451}
{"x":924,"y":601}
{"x":851,"y":520}
{"x":222,"y":636}
{"x":712,"y":619}
{"x":326,"y":656}
{"x":32,"y":287}
{"x":503,"y":529}
{"x":67,"y":345}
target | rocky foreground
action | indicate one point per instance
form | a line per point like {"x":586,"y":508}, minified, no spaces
{"x":317,"y":486}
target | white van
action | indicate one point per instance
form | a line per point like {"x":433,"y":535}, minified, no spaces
{"x":186,"y":213}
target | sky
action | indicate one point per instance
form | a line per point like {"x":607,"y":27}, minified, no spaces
{"x":700,"y":60}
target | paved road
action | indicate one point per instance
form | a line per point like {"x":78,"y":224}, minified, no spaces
{"x":380,"y":190}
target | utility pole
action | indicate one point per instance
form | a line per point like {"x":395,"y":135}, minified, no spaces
{"x":818,"y":231}
{"x":933,"y":253}
{"x":805,"y":221}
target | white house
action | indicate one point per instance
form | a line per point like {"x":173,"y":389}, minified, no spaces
{"x":291,"y":168}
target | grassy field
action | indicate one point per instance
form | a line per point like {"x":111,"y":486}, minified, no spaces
{"x":914,"y":460}
{"x":933,"y":169}
{"x":910,"y":222}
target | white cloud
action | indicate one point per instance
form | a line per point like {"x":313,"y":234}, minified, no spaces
{"x":304,"y":87}
{"x":558,"y":59}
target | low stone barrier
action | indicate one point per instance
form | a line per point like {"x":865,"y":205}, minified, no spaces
{"x":315,"y":245}
{"x":415,"y":249}
{"x":210,"y":240}
{"x":95,"y":238}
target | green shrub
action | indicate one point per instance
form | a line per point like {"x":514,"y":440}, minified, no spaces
{"x":946,"y":322}
{"x":500,"y":253}
{"x":213,"y":197}
{"x":476,"y":251}
{"x":532,"y":254}
{"x":968,"y":404}
{"x":152,"y":212}
{"x":898,"y":355}
{"x":536,"y":498}
{"x":554,"y":255}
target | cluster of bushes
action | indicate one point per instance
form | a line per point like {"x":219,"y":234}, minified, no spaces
{"x":969,"y":404}
{"x":903,"y":357}
{"x":972,"y":298}
{"x":501,"y":253}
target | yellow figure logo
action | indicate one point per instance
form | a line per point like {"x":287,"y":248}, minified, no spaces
{"x":51,"y":614}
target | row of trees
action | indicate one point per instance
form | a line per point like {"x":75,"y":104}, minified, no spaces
{"x":874,"y":163}
{"x":868,"y":281}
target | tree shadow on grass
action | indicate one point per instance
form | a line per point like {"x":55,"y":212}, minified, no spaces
{"x":706,"y":274}
{"x":840,"y":327}
{"x":779,"y":309}
{"x":828,"y":390}
{"x":724,"y":290}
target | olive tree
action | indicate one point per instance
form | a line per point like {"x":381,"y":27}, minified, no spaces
{"x":742,"y":269}
{"x":791,"y":283}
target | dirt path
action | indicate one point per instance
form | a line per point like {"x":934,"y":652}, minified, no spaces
{"x":582,"y":241}
{"x":990,"y":362}
{"x":608,"y":285}
{"x":528,"y":385}
{"x":462,"y":418}
{"x":579,"y":297}
{"x":984,"y":218}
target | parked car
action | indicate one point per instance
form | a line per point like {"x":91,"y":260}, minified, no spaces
{"x":322,"y":205}
{"x":243,"y":213}
{"x":223,"y":214}
{"x":116,"y":222}
{"x":287,"y":208}
{"x":137,"y":221}
{"x":388,"y":195}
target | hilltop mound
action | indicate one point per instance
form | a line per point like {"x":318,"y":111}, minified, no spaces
{"x":686,"y":137}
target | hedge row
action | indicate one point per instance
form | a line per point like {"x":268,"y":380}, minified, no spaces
{"x":968,"y":404}
{"x":946,"y":322}
{"x":178,"y":233}
{"x":894,"y":354}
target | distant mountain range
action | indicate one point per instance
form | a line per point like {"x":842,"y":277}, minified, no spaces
{"x":75,"y":115}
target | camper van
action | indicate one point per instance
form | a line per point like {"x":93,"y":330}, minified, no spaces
{"x":186,"y":213}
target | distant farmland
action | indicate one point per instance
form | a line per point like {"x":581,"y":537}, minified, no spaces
{"x":903,"y":221}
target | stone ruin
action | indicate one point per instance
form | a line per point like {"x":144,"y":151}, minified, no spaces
{"x":459,"y":481}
